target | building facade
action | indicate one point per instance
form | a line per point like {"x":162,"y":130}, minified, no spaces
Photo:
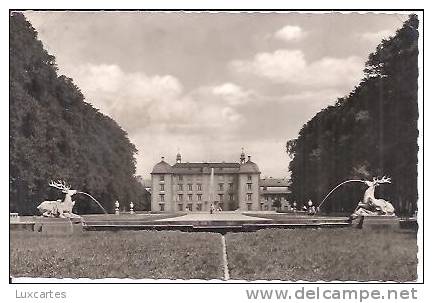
{"x":274,"y":194}
{"x":197,"y":186}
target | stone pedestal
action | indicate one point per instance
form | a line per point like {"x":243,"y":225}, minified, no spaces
{"x":14,"y":218}
{"x":377,"y":222}
{"x":58,"y":226}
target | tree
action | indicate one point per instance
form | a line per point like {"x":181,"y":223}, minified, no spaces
{"x":371,"y":132}
{"x":55,"y":134}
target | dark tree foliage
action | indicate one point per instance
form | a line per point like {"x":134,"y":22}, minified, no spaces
{"x":371,"y":132}
{"x":55,"y":134}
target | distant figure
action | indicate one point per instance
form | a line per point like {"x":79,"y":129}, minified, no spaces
{"x":311,"y":208}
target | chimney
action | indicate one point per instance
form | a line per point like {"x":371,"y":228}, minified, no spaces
{"x":162,"y":158}
{"x":249,"y":158}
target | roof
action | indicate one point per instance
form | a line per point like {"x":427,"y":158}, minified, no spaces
{"x":162,"y":168}
{"x":274,"y":192}
{"x":207,"y":164}
{"x":271,"y":182}
{"x":205,"y":167}
{"x":249,"y":167}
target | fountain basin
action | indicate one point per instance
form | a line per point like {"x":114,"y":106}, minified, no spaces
{"x":220,"y":222}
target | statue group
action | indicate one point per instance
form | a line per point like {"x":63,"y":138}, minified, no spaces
{"x":370,"y":205}
{"x":59,"y":208}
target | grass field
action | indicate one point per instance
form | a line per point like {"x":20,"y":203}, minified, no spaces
{"x":299,"y":254}
{"x":125,"y":254}
{"x":323,"y":254}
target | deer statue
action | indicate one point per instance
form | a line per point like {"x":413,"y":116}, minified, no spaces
{"x":372,"y":206}
{"x":58,"y":208}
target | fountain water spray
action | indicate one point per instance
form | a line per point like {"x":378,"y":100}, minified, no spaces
{"x":211,"y":186}
{"x":347,"y":181}
{"x":99,"y":204}
{"x":63,"y":208}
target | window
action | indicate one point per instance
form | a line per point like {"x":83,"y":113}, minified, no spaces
{"x":231,"y":197}
{"x":161,"y":178}
{"x":161,"y":187}
{"x":162,"y":198}
{"x":161,"y":207}
{"x":180,"y":207}
{"x":249,"y":206}
{"x":249,"y":178}
{"x":189,"y":206}
{"x":267,"y":198}
{"x":199,"y":207}
{"x":221,"y":197}
{"x":249,"y":186}
{"x":249,"y":197}
{"x":221,"y":186}
{"x":231,"y":186}
{"x":199,"y":186}
{"x":199,"y":197}
{"x":190,"y":198}
{"x":180,"y":197}
{"x":180,"y":186}
{"x":180,"y":178}
{"x":189,"y":186}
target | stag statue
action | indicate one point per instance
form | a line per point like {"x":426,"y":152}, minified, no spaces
{"x":61,"y":209}
{"x":372,"y":206}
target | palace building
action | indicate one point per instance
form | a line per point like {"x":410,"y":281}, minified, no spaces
{"x":274,"y":194}
{"x":195,"y":186}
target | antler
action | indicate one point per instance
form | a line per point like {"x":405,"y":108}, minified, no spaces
{"x":384,"y":179}
{"x":59,"y":185}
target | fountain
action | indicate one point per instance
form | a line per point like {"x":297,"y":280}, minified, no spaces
{"x":96,"y":201}
{"x":370,"y":206}
{"x":211,"y":190}
{"x":57,"y":216}
{"x":63,"y":209}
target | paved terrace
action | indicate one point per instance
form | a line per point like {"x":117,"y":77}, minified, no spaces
{"x":218,"y":216}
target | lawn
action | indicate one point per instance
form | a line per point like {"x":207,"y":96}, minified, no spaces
{"x":125,"y":254}
{"x":274,"y":254}
{"x":323,"y":254}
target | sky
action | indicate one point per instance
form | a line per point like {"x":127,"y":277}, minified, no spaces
{"x":208,"y":84}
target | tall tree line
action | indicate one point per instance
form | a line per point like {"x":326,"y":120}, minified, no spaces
{"x":371,"y":132}
{"x":55,"y":134}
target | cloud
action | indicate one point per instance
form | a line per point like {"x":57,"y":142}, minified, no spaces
{"x":231,"y":114}
{"x":290,"y":66}
{"x":132,"y":99}
{"x":289,"y":33}
{"x":206,"y":123}
{"x":376,"y":37}
{"x":139,"y":101}
{"x":232,"y":93}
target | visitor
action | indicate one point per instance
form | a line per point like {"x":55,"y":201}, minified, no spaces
{"x":311,"y":208}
